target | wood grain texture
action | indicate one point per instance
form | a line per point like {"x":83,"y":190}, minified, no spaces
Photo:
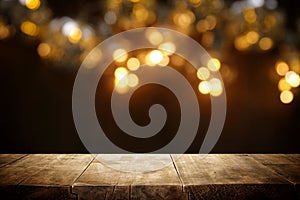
{"x":214,"y":176}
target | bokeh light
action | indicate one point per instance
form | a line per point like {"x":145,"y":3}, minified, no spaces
{"x":120,"y":73}
{"x":282,"y":68}
{"x":203,"y":73}
{"x":133,"y":64}
{"x":204,"y":87}
{"x":214,"y":64}
{"x":43,"y":49}
{"x":30,"y":28}
{"x":292,"y":78}
{"x":286,"y":96}
{"x":120,"y":55}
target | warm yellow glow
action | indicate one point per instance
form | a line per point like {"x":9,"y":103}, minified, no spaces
{"x":4,"y":31}
{"x":283,"y":85}
{"x":154,"y":37}
{"x":134,"y":1}
{"x":249,"y":15}
{"x":286,"y":96}
{"x":211,"y":22}
{"x":265,"y":43}
{"x":203,"y":73}
{"x":140,"y":12}
{"x":120,"y":55}
{"x":155,"y":57}
{"x":29,"y":28}
{"x":75,"y":35}
{"x":240,"y":43}
{"x":120,"y":73}
{"x":133,"y":80}
{"x":216,"y":88}
{"x":214,"y":64}
{"x":252,"y":37}
{"x":295,"y":65}
{"x":32,"y":4}
{"x":94,"y":56}
{"x":165,"y":61}
{"x":184,"y":19}
{"x":292,"y":78}
{"x":133,"y":64}
{"x":167,"y":48}
{"x":204,"y":87}
{"x":282,"y":68}
{"x":43,"y":49}
{"x":202,"y":26}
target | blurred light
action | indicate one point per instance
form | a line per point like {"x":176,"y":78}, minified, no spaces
{"x":4,"y":31}
{"x":75,"y":35}
{"x":216,"y":88}
{"x":252,"y":37}
{"x":120,"y":73}
{"x":196,"y":3}
{"x":256,"y":3}
{"x":155,"y":56}
{"x":133,"y":64}
{"x":134,"y":1}
{"x":203,"y":73}
{"x":68,"y":27}
{"x":282,"y":68}
{"x":32,"y":4}
{"x":29,"y":28}
{"x":214,"y":64}
{"x":202,"y":26}
{"x":292,"y":78}
{"x":283,"y":85}
{"x":249,"y":15}
{"x":120,"y":55}
{"x":93,"y":57}
{"x":165,"y":61}
{"x":204,"y":87}
{"x":43,"y":49}
{"x":295,"y":65}
{"x":154,"y":37}
{"x":177,"y":60}
{"x":110,"y":17}
{"x":265,"y":43}
{"x":133,"y":80}
{"x":23,"y":2}
{"x":140,"y":12}
{"x":184,"y":19}
{"x":167,"y":48}
{"x":286,"y":96}
{"x":271,"y":4}
{"x":211,"y":22}
{"x":240,"y":43}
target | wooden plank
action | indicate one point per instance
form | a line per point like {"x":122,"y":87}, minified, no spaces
{"x":230,"y":176}
{"x":6,"y":159}
{"x":276,"y":158}
{"x":108,"y":183}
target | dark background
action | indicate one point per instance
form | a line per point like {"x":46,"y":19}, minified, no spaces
{"x":36,"y":113}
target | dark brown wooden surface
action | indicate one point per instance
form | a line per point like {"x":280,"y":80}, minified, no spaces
{"x":213,"y":176}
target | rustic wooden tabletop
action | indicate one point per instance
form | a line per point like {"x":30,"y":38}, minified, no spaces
{"x":214,"y":176}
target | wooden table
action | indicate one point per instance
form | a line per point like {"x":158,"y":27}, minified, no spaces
{"x":215,"y":176}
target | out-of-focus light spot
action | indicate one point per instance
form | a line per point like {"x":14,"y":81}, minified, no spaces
{"x":94,"y":56}
{"x":154,"y":37}
{"x":216,"y":88}
{"x":4,"y":31}
{"x":211,"y":22}
{"x":140,"y":12}
{"x":208,"y":39}
{"x":120,"y":55}
{"x":286,"y":96}
{"x":203,"y":73}
{"x":177,"y":60}
{"x":283,"y":85}
{"x":32,"y":4}
{"x":155,"y":57}
{"x":282,"y":68}
{"x":295,"y":65}
{"x":265,"y":43}
{"x":29,"y":28}
{"x":240,"y":43}
{"x":252,"y":37}
{"x":204,"y":87}
{"x":249,"y":15}
{"x":196,"y":3}
{"x":271,"y":4}
{"x":214,"y":64}
{"x":167,"y":48}
{"x":292,"y":78}
{"x":133,"y":80}
{"x":75,"y":35}
{"x":165,"y":61}
{"x":43,"y":49}
{"x":255,"y":3}
{"x":68,"y":27}
{"x":121,"y":86}
{"x":202,"y":26}
{"x":120,"y":73}
{"x":133,"y":64}
{"x":184,"y":19}
{"x":110,"y":17}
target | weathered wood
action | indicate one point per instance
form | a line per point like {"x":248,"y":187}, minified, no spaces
{"x":9,"y":158}
{"x":205,"y":176}
{"x":113,"y":184}
{"x":214,"y":176}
